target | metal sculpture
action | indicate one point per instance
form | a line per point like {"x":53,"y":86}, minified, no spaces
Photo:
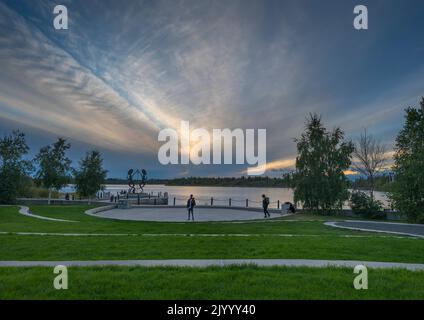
{"x":136,"y":178}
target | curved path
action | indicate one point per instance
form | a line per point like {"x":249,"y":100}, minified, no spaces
{"x":179,"y":214}
{"x":199,"y":263}
{"x":414,"y":230}
{"x":287,"y":235}
{"x":25,"y":211}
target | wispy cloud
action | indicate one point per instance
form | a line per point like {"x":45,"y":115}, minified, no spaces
{"x":125,"y":70}
{"x":45,"y":87}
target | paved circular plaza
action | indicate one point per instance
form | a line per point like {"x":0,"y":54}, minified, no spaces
{"x":173,"y":214}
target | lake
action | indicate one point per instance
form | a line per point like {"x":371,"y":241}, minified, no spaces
{"x":221,"y":195}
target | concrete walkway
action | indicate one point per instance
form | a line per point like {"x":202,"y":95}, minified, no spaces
{"x":406,"y":229}
{"x":25,"y":211}
{"x":216,"y":262}
{"x":288,"y":235}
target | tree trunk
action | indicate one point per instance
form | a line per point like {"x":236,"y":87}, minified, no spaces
{"x":372,"y":187}
{"x":89,"y":200}
{"x":50,"y":196}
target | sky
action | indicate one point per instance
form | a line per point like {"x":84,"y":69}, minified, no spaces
{"x":126,"y":69}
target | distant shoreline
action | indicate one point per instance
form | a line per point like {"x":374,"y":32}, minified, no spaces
{"x":202,"y":185}
{"x":231,"y":182}
{"x":252,"y":182}
{"x":226,"y":186}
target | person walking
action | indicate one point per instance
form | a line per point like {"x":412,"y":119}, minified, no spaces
{"x":265,"y":204}
{"x":191,"y":203}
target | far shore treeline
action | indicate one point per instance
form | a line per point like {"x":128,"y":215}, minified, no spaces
{"x":382,"y":182}
{"x":319,"y":179}
{"x":248,"y":181}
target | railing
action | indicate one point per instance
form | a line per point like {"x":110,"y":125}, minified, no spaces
{"x":204,"y":201}
{"x":230,"y":202}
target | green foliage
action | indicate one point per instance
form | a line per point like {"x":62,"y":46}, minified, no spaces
{"x":53,"y":165}
{"x":407,"y":193}
{"x":362,"y":203}
{"x":90,"y":177}
{"x":14,"y":169}
{"x":319,"y":182}
{"x":38,"y":192}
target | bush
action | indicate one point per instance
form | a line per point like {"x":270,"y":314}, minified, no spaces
{"x":43,"y":193}
{"x":38,"y":192}
{"x":362,"y":204}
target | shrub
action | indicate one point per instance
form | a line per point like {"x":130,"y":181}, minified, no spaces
{"x":38,"y":192}
{"x":362,"y":204}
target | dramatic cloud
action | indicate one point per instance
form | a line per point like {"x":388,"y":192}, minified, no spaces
{"x":125,"y":70}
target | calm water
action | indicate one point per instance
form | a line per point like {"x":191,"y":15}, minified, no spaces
{"x":221,"y":195}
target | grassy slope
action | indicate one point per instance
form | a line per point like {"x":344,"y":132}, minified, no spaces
{"x":327,"y":246}
{"x":13,"y":222}
{"x":245,"y":282}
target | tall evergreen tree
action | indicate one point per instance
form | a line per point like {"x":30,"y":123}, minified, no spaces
{"x":319,"y":181}
{"x":53,"y":166}
{"x":14,"y":169}
{"x":408,"y":188}
{"x":91,"y":176}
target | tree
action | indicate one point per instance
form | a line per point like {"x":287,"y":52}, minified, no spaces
{"x":408,"y":187}
{"x":53,"y":166}
{"x":90,"y":177}
{"x":319,"y":181}
{"x":14,"y":170}
{"x":371,"y":158}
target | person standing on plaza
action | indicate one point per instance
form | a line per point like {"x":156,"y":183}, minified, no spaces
{"x":191,"y":203}
{"x":265,"y":204}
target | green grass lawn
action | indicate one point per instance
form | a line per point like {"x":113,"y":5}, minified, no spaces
{"x":234,"y":282}
{"x":314,"y":240}
{"x":141,"y":247}
{"x":308,"y":240}
{"x":13,"y":222}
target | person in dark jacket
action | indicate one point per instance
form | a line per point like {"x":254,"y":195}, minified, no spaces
{"x":265,"y":204}
{"x":191,"y":203}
